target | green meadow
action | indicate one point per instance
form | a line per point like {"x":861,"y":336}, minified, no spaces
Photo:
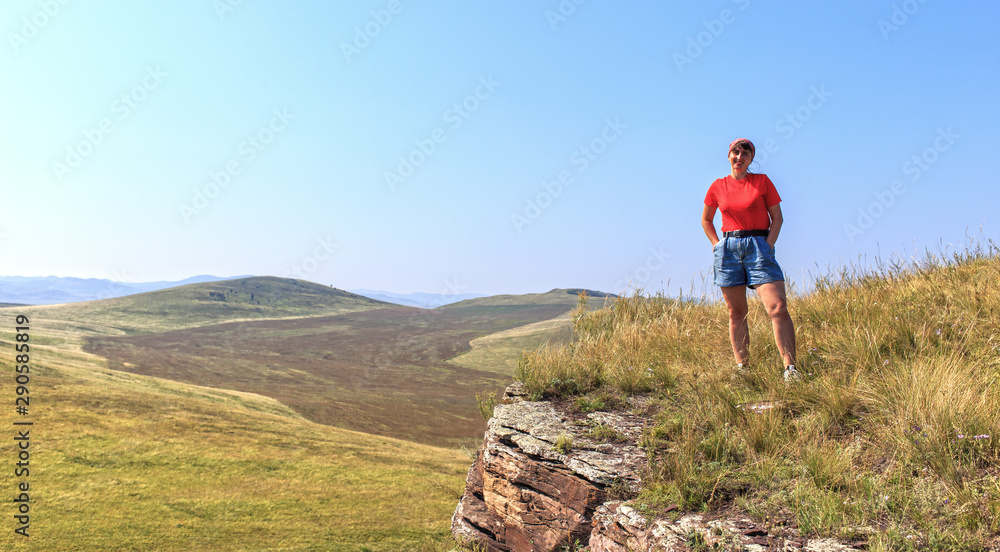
{"x":132,"y":461}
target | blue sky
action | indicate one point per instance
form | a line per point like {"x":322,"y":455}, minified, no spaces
{"x":489,"y":147}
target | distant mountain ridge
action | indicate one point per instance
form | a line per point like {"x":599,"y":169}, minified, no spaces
{"x":421,"y":300}
{"x":190,"y":305}
{"x":51,"y":290}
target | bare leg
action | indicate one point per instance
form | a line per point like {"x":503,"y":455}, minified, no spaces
{"x":773,"y":296}
{"x":739,"y":332}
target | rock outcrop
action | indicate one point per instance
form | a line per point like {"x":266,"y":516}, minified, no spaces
{"x":619,"y":528}
{"x":540,"y":476}
{"x":547,"y":478}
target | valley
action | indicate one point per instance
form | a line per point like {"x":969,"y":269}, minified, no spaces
{"x":261,"y":414}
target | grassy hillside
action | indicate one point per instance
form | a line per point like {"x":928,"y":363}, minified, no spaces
{"x":498,"y":352}
{"x":564,"y":297}
{"x":380,"y":371}
{"x":123,"y":462}
{"x":126,"y":461}
{"x":891,"y":439}
{"x":195,"y":305}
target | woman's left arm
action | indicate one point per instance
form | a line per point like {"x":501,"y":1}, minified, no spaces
{"x":775,"y":212}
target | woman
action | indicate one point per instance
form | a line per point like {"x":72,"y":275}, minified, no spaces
{"x":744,"y":257}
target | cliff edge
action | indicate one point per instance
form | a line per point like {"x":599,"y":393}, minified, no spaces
{"x":548,"y":478}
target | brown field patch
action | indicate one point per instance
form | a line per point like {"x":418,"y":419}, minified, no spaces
{"x":382,"y":371}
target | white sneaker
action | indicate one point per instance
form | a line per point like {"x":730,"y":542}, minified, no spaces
{"x":791,"y":374}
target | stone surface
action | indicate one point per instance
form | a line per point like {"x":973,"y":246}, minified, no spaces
{"x":524,"y":495}
{"x":619,"y":528}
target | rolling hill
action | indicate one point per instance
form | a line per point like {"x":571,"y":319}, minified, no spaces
{"x":422,"y":300}
{"x":49,"y":290}
{"x":382,"y":371}
{"x":122,"y":462}
{"x":334,"y":357}
{"x":565,"y":297}
{"x":193,"y":305}
{"x":191,"y":421}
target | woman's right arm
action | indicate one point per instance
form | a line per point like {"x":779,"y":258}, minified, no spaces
{"x":708,"y":223}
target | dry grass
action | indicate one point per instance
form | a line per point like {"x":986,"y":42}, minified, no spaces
{"x":893,"y":437}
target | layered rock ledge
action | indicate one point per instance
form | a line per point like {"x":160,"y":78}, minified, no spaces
{"x":525,"y":493}
{"x":544,"y":479}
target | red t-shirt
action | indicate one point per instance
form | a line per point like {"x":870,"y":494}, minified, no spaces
{"x":743,"y":203}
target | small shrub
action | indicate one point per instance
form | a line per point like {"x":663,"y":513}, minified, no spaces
{"x":573,"y":546}
{"x":654,"y":440}
{"x":820,"y":512}
{"x":564,"y":444}
{"x":828,"y":466}
{"x":486,"y":401}
{"x":696,"y":541}
{"x":601,"y":399}
{"x":619,"y":489}
{"x":588,"y":403}
{"x":655,"y":500}
{"x":549,"y":372}
{"x":719,"y":446}
{"x":604,"y":433}
{"x":765,"y":433}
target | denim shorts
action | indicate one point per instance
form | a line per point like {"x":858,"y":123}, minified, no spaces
{"x":745,"y":262}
